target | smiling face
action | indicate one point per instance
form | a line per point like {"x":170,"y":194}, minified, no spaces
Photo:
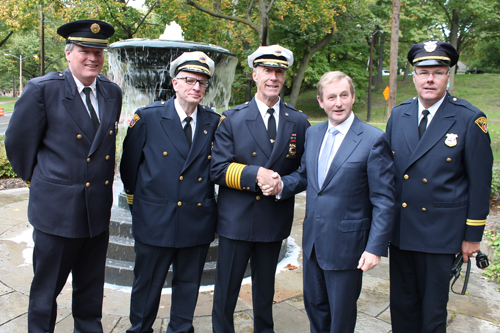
{"x":189,"y":96}
{"x":337,"y":101}
{"x":269,"y":81}
{"x":85,"y":63}
{"x":430,"y":90}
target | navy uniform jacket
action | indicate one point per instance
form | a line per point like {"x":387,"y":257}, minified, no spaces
{"x":51,"y":143}
{"x":354,"y":209}
{"x":242,"y":146}
{"x":443,"y":181}
{"x":173,"y":197}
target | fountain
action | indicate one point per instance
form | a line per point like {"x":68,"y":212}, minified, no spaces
{"x":141,"y":68}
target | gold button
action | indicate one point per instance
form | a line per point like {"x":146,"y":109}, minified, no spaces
{"x":79,"y":136}
{"x":165,"y":153}
{"x":424,"y":180}
{"x":254,"y":154}
{"x":88,"y":159}
{"x":107,"y":157}
{"x":110,"y":132}
{"x":257,"y":197}
{"x":406,"y":176}
{"x":205,"y":132}
{"x":200,"y":179}
{"x":424,"y":210}
{"x":162,"y":102}
{"x":60,"y":74}
{"x":106,"y":182}
{"x":455,"y":99}
{"x":248,"y":188}
{"x":404,"y":205}
{"x":199,"y":204}
{"x":393,"y":153}
{"x":87,"y":184}
{"x":179,"y":204}
{"x":448,"y":159}
{"x":209,"y":157}
{"x":181,"y":178}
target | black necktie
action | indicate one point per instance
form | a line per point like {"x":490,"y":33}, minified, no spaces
{"x":188,"y":130}
{"x":271,"y":125}
{"x":423,"y":124}
{"x":93,"y":115}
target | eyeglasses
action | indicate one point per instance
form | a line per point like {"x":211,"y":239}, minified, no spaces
{"x":192,"y":81}
{"x":437,"y":75}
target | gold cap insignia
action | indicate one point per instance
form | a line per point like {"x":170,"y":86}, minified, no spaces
{"x":451,"y":140}
{"x":430,"y":46}
{"x":278,"y":52}
{"x":95,"y":28}
{"x":202,"y":59}
{"x":482,"y":123}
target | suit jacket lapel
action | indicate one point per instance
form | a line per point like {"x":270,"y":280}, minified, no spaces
{"x":410,"y":125}
{"x":349,"y":144}
{"x":203,"y":128}
{"x":258,"y":129}
{"x":75,"y":107}
{"x":440,"y":124}
{"x":285,"y":128}
{"x":314,"y":144}
{"x":172,"y":126}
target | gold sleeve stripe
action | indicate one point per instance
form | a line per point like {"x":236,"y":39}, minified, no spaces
{"x":233,"y":175}
{"x":130,"y":198}
{"x":476,"y":223}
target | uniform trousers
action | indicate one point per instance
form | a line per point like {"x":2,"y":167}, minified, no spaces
{"x":232,"y":261}
{"x":54,"y":257}
{"x":330,"y":297}
{"x":150,"y":271}
{"x":420,"y":285}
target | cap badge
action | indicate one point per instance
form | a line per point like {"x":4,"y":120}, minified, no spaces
{"x":278,"y":52}
{"x":451,"y":140}
{"x":95,"y":28}
{"x":202,"y":59}
{"x":430,"y":46}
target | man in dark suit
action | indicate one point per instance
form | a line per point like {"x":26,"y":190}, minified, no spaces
{"x":61,"y":141}
{"x":165,"y":170}
{"x":443,"y":162}
{"x":253,"y":138}
{"x":347,"y":170}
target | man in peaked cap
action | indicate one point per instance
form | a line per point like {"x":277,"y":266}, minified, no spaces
{"x":165,"y":172}
{"x":61,"y":141}
{"x":254,"y":140}
{"x":443,"y":161}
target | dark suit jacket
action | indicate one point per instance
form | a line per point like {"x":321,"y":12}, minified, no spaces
{"x":52,"y":144}
{"x":173,"y":197}
{"x":242,"y":146}
{"x":442,"y":181}
{"x":354,"y":209}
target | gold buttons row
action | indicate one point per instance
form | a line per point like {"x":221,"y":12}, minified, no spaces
{"x":107,"y":158}
{"x":79,"y":136}
{"x":87,"y":184}
{"x":424,"y":180}
{"x":182,"y":178}
{"x":180,"y":204}
{"x":406,"y":205}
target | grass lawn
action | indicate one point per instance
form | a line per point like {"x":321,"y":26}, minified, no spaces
{"x":482,"y":91}
{"x":7,"y":106}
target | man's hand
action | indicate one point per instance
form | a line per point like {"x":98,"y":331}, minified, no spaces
{"x":268,"y":181}
{"x":368,"y":261}
{"x":468,"y":249}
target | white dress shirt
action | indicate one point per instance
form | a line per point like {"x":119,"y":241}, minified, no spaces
{"x":93,"y":96}
{"x":182,"y":115}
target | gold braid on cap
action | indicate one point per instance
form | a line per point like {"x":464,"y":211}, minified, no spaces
{"x":432,"y":58}
{"x":271,"y":61}
{"x":88,"y":40}
{"x":201,"y":68}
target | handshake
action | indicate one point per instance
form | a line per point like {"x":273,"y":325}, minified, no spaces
{"x":268,"y":181}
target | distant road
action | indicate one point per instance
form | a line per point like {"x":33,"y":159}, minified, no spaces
{"x":4,"y":121}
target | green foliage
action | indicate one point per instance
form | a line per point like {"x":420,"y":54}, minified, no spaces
{"x":495,"y":184}
{"x":487,"y":57}
{"x":5,"y":167}
{"x":493,"y":270}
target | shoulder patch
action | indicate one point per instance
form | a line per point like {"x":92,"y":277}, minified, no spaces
{"x":134,"y":120}
{"x":482,"y":123}
{"x":221,"y":119}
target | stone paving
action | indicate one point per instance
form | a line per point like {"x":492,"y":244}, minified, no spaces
{"x":479,"y":311}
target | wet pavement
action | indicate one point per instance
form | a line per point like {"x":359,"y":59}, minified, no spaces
{"x":478,"y":311}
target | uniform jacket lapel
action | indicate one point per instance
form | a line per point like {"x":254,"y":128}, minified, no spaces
{"x":258,"y":129}
{"x":75,"y":107}
{"x":439,"y":126}
{"x":351,"y":141}
{"x":172,"y":126}
{"x":201,"y":136}
{"x":410,"y":125}
{"x":105,"y":106}
{"x":285,"y":128}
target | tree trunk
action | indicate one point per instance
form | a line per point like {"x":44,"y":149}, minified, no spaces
{"x":380,"y":64}
{"x":407,"y":70}
{"x":453,"y":41}
{"x":264,"y":23}
{"x":396,"y":6}
{"x":248,"y":76}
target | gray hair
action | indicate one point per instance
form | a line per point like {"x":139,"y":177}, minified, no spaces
{"x":333,"y":76}
{"x":69,"y":47}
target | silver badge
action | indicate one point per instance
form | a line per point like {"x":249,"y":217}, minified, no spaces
{"x":451,"y":140}
{"x":430,"y":46}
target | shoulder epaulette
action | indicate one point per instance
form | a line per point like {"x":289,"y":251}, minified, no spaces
{"x":103,"y":78}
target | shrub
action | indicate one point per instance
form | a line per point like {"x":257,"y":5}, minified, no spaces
{"x":495,"y":183}
{"x":493,"y":270}
{"x":5,"y":167}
